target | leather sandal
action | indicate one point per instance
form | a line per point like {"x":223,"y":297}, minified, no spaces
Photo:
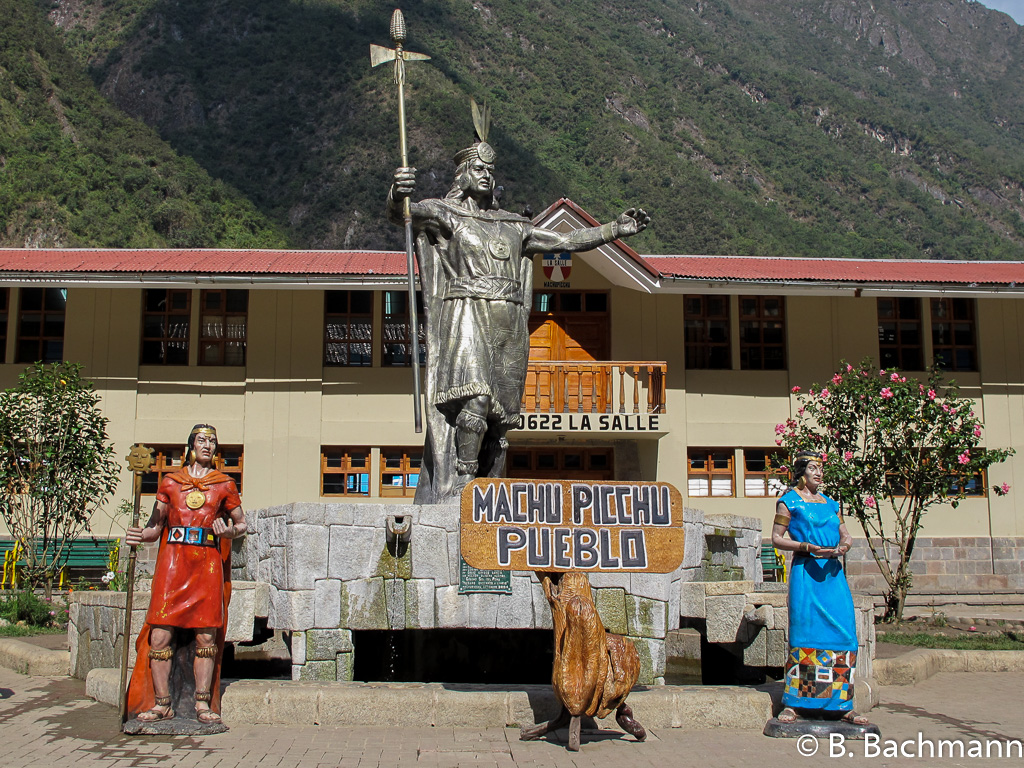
{"x":161,"y":710}
{"x":205,"y":715}
{"x":854,"y":719}
{"x":788,"y":715}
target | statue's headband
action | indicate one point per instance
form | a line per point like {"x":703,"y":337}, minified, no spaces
{"x":481,"y":150}
{"x":208,"y":431}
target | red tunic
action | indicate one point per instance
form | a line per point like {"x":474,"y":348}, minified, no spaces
{"x":188,"y":584}
{"x":192,"y":585}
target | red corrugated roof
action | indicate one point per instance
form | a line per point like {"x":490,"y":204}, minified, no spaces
{"x":202,"y":261}
{"x":839,"y":270}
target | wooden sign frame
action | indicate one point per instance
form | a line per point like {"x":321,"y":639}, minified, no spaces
{"x":568,"y":525}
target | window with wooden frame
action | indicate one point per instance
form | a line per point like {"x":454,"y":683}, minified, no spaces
{"x":41,"y":325}
{"x":706,"y":331}
{"x":568,"y":463}
{"x":710,"y":472}
{"x":166,"y":320}
{"x":169,"y":458}
{"x":400,"y":471}
{"x":763,"y":472}
{"x":344,"y":471}
{"x":223,"y":321}
{"x":762,"y":333}
{"x":974,"y":485}
{"x":348,"y":328}
{"x":954,"y":342}
{"x":5,"y":303}
{"x":396,"y":337}
{"x":571,"y":302}
{"x":900,"y":340}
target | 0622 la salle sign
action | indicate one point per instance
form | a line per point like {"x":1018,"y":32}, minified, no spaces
{"x":590,"y":422}
{"x":563,"y":525}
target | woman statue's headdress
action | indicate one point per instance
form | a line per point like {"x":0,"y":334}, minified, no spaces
{"x":482,"y":126}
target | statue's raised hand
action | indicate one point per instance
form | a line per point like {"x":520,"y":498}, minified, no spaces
{"x":632,"y":221}
{"x":405,"y":182}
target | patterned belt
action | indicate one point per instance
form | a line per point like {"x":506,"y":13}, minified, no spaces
{"x":488,"y":287}
{"x":188,"y":534}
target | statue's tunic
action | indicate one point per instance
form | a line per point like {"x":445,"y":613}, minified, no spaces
{"x":481,"y":297}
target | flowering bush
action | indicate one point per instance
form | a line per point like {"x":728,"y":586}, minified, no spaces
{"x":894,"y":447}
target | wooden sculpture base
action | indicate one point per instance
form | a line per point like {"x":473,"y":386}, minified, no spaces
{"x":594,"y":671}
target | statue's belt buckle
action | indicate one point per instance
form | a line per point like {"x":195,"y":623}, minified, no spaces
{"x":190,"y":534}
{"x":500,"y":249}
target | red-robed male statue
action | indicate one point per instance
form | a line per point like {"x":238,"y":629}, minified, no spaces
{"x":197,"y":512}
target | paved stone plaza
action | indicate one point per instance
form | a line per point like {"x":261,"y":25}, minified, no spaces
{"x":48,"y":721}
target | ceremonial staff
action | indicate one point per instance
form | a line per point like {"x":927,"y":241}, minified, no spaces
{"x":140,"y":459}
{"x":381,"y":55}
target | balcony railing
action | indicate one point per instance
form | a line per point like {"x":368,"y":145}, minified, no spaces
{"x":568,"y":386}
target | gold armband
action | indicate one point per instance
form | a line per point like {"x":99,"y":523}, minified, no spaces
{"x":782,"y":520}
{"x":805,"y":546}
{"x":164,"y":654}
{"x":206,"y":651}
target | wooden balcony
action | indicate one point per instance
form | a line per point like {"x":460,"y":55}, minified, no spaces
{"x":569,"y":386}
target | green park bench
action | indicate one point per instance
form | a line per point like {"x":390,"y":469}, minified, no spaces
{"x":773,"y":564}
{"x":88,"y":558}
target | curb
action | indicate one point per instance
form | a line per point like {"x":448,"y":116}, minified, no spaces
{"x":918,"y":665}
{"x":278,"y":702}
{"x":28,"y":659}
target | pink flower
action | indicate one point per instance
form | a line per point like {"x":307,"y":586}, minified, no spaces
{"x":848,"y":455}
{"x":945,"y":408}
{"x":903,"y":379}
{"x":870,"y":502}
{"x":837,"y":379}
{"x":886,"y":392}
{"x":801,"y":410}
{"x":977,"y":430}
{"x":849,"y":367}
{"x":1005,"y":487}
{"x":795,"y":389}
{"x":964,"y":458}
{"x":881,"y":372}
{"x":778,"y":442}
{"x":824,"y":458}
{"x":931,"y":394}
{"x":824,"y":392}
{"x":779,"y":429}
{"x":894,"y":377}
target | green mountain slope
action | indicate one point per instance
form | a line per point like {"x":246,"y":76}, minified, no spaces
{"x":75,"y":170}
{"x":769,"y":127}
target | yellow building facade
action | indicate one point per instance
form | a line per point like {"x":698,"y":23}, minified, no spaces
{"x":661,"y":368}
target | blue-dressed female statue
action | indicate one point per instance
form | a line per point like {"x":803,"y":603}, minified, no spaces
{"x":822,"y":626}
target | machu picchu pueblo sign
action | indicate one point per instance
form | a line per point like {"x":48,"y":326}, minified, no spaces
{"x":565,"y":525}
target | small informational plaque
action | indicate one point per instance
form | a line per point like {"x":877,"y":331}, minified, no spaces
{"x":565,"y":525}
{"x":476,"y":580}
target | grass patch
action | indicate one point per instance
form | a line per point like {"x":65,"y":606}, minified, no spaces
{"x":15,"y":631}
{"x":1011,"y":642}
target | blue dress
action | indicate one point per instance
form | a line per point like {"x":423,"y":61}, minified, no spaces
{"x":822,"y":624}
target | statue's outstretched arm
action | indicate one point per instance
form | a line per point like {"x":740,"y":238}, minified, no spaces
{"x":629,"y":223}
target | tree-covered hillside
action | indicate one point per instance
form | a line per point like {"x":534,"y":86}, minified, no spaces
{"x":770,"y":127}
{"x":75,"y":170}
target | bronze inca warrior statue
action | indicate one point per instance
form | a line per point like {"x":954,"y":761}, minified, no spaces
{"x":477,"y":280}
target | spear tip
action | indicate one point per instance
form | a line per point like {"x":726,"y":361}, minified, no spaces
{"x":397,"y":27}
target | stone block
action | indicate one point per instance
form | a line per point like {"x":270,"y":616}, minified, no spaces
{"x":541,"y":609}
{"x":346,"y":664}
{"x":327,"y":603}
{"x":761,"y":616}
{"x":274,"y":531}
{"x":610,"y":581}
{"x":241,"y":615}
{"x":724,"y":615}
{"x":294,"y":703}
{"x":655,"y":586}
{"x":646,"y":618}
{"x":611,"y":605}
{"x":483,"y":610}
{"x":728,"y":587}
{"x":469,"y":706}
{"x":245,"y":701}
{"x":394,"y":602}
{"x":755,"y":653}
{"x":307,"y":512}
{"x":691,"y":600}
{"x":419,"y":604}
{"x":446,"y":516}
{"x":295,"y":609}
{"x":515,"y":611}
{"x":777,"y":648}
{"x":319,"y":671}
{"x":104,"y":684}
{"x":652,"y":659}
{"x":363,"y":604}
{"x":454,"y":558}
{"x":452,"y":608}
{"x":354,"y":551}
{"x":307,"y":560}
{"x":430,"y":557}
{"x":326,"y":644}
{"x":298,"y":648}
{"x":673,"y":607}
{"x":531,"y":704}
{"x":683,"y":657}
